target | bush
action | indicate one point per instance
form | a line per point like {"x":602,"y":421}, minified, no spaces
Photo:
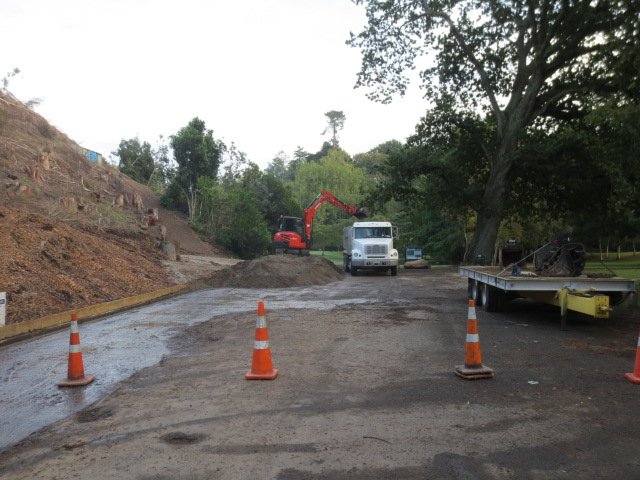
{"x":174,"y":198}
{"x":244,"y":231}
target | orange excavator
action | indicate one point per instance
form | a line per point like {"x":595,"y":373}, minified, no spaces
{"x":294,"y":234}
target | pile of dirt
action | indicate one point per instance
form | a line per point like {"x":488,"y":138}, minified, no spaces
{"x":276,"y":271}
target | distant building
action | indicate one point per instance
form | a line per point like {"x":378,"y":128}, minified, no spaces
{"x":94,"y":157}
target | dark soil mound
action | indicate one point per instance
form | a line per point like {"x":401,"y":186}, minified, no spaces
{"x":276,"y":271}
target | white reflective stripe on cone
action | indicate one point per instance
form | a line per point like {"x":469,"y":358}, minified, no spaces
{"x":261,"y":344}
{"x":74,"y":326}
{"x":472,"y":312}
{"x":638,"y":341}
{"x":261,"y":322}
{"x":74,"y":348}
{"x":473,"y":338}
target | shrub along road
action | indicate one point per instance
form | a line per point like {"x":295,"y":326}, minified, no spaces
{"x":366,"y":390}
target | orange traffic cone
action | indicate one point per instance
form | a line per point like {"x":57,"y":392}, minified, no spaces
{"x":635,"y":376}
{"x":75,"y":373}
{"x":261,"y":366}
{"x":473,"y":369}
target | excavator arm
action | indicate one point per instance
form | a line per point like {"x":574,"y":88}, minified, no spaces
{"x":322,"y":197}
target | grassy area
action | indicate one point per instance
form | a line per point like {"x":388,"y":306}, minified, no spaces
{"x":335,"y":257}
{"x":627,"y":267}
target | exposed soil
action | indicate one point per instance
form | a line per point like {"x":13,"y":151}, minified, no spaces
{"x":276,"y":271}
{"x":74,"y":232}
{"x":51,"y":267}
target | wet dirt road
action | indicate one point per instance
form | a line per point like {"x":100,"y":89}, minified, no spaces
{"x":116,"y":347}
{"x":366,"y":390}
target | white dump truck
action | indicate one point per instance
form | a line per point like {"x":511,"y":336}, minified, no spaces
{"x":369,"y":246}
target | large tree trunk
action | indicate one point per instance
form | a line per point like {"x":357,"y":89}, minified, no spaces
{"x":492,"y":205}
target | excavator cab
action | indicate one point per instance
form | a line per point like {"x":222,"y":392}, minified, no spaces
{"x":290,"y":224}
{"x":361,"y":213}
{"x":290,"y":237}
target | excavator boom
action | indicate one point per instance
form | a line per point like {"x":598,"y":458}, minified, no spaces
{"x":286,"y":239}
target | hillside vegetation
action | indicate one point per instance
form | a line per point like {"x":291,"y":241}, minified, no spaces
{"x":72,"y":232}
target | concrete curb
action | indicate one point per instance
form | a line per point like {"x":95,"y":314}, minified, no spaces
{"x":15,"y":331}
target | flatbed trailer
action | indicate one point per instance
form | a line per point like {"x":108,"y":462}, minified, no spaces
{"x":492,"y":287}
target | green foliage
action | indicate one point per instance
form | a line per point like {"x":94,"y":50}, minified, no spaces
{"x":519,"y":61}
{"x":230,"y":215}
{"x":235,"y":164}
{"x":273,"y":197}
{"x":174,"y":198}
{"x":136,"y":160}
{"x":335,"y":121}
{"x":440,"y":235}
{"x":323,"y":152}
{"x":243,"y":229}
{"x":7,"y":77}
{"x":337,"y":174}
{"x":278,"y":167}
{"x":198,"y":155}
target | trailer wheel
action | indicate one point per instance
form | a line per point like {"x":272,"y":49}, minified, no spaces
{"x":493,"y":299}
{"x":476,"y":294}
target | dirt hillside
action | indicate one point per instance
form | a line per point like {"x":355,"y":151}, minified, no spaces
{"x":51,"y":267}
{"x":74,"y":232}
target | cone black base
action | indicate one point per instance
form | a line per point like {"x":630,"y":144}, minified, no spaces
{"x":475,"y":373}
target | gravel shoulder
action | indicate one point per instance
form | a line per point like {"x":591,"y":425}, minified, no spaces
{"x":365,"y":391}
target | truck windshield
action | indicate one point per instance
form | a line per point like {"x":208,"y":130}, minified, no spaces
{"x":373,"y":232}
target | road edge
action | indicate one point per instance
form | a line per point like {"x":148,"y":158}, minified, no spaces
{"x":17,"y":331}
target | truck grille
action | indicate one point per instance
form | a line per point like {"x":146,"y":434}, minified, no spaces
{"x":375,"y":250}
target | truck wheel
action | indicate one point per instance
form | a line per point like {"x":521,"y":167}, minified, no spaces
{"x":394,"y":271}
{"x":354,"y":271}
{"x":346,"y":263}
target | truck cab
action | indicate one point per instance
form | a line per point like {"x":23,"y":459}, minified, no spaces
{"x":369,"y":246}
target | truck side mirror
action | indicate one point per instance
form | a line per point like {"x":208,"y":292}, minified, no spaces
{"x":395,"y":233}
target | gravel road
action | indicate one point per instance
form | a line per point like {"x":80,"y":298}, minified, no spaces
{"x":366,"y":390}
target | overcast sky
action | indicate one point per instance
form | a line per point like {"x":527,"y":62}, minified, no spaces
{"x":260,"y":73}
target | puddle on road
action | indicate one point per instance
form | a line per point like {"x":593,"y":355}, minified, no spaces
{"x":118,"y":346}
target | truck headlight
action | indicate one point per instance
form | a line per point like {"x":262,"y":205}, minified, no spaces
{"x":394,"y":253}
{"x":355,"y":254}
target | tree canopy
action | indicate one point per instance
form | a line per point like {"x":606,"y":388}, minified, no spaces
{"x":136,"y":159}
{"x":197,"y":154}
{"x":335,"y":121}
{"x":515,"y":60}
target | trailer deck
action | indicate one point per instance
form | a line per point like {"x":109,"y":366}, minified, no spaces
{"x":492,"y":287}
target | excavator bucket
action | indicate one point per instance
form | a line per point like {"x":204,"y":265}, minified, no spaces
{"x":362,"y":212}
